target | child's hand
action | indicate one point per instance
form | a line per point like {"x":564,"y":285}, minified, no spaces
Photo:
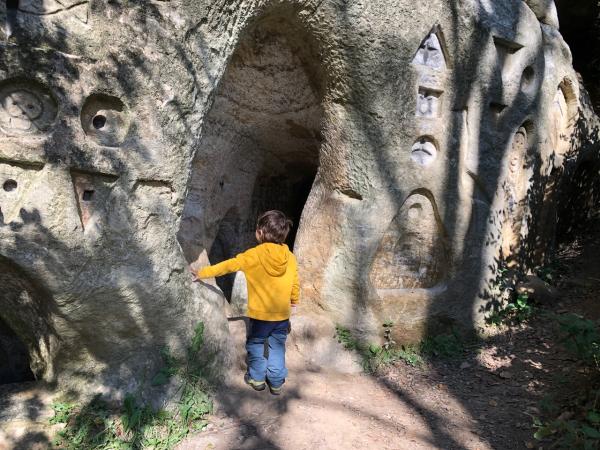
{"x":194,"y":273}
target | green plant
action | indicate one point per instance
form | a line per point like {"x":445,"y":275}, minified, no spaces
{"x":410,"y":355}
{"x":373,"y":355}
{"x":444,"y":345}
{"x":344,"y":336}
{"x":135,"y":425}
{"x":517,"y":310}
{"x":62,"y":411}
{"x":578,"y":425}
{"x":581,"y":433}
{"x":582,"y":337}
{"x":169,"y":369}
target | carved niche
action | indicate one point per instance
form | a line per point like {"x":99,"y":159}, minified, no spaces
{"x":430,"y":53}
{"x":412,"y":252}
{"x":560,"y":122}
{"x":91,"y":193}
{"x":428,"y":103}
{"x":515,"y":191}
{"x":26,"y":107}
{"x":105,"y":120}
{"x":424,"y":151}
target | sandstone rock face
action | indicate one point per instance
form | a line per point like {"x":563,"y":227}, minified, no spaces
{"x":414,"y":144}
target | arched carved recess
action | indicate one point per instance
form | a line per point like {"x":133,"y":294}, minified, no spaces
{"x":516,"y":184}
{"x":563,"y":114}
{"x":413,"y":251}
{"x":27,"y":309}
{"x":261,"y":139}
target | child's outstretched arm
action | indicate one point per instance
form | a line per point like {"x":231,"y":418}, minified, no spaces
{"x":223,"y":268}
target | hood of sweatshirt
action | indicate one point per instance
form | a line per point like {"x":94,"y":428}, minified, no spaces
{"x":274,"y":258}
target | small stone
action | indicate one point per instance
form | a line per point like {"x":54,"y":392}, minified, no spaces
{"x":505,"y":374}
{"x":529,"y":444}
{"x":465,"y":365}
{"x":493,"y":402}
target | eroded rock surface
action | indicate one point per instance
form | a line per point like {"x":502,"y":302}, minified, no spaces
{"x":417,"y":145}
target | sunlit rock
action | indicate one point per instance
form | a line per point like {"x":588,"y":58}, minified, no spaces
{"x":415,"y":157}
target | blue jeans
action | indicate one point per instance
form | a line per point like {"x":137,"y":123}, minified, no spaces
{"x":272,"y":367}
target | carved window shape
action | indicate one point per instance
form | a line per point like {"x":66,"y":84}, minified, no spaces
{"x":428,"y":103}
{"x":412,"y":252}
{"x":431,"y":53}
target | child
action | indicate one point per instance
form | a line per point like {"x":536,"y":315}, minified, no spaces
{"x":273,"y":290}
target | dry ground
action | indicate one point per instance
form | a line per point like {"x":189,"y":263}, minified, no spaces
{"x":485,"y":398}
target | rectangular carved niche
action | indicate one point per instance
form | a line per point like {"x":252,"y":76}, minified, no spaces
{"x":91,"y":192}
{"x":429,"y":103}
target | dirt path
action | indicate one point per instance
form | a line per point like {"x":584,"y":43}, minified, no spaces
{"x":486,"y":398}
{"x":325,"y":410}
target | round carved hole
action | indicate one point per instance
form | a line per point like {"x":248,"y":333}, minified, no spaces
{"x":99,"y":121}
{"x":423,"y":152}
{"x":9,"y":185}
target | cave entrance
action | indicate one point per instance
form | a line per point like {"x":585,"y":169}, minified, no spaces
{"x":260,"y":144}
{"x":14,"y":357}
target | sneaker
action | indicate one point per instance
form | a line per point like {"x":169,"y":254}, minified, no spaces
{"x":275,"y":390}
{"x":256,"y":385}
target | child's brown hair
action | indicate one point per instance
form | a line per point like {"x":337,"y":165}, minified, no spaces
{"x":273,"y":226}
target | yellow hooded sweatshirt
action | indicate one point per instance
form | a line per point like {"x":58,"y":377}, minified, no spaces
{"x":272,"y":277}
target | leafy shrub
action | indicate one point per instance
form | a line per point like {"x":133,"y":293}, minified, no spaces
{"x":518,"y":310}
{"x":444,"y":345}
{"x":581,"y":336}
{"x":581,"y":429}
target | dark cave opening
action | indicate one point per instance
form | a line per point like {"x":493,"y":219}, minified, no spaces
{"x":579,"y":202}
{"x":580,"y":27}
{"x":14,"y":357}
{"x":260,"y":144}
{"x":286,"y":191}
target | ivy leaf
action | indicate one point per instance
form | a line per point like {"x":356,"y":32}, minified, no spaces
{"x":542,"y":432}
{"x":590,"y":432}
{"x":593,"y":417}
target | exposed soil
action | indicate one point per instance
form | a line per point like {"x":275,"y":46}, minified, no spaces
{"x":484,"y":399}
